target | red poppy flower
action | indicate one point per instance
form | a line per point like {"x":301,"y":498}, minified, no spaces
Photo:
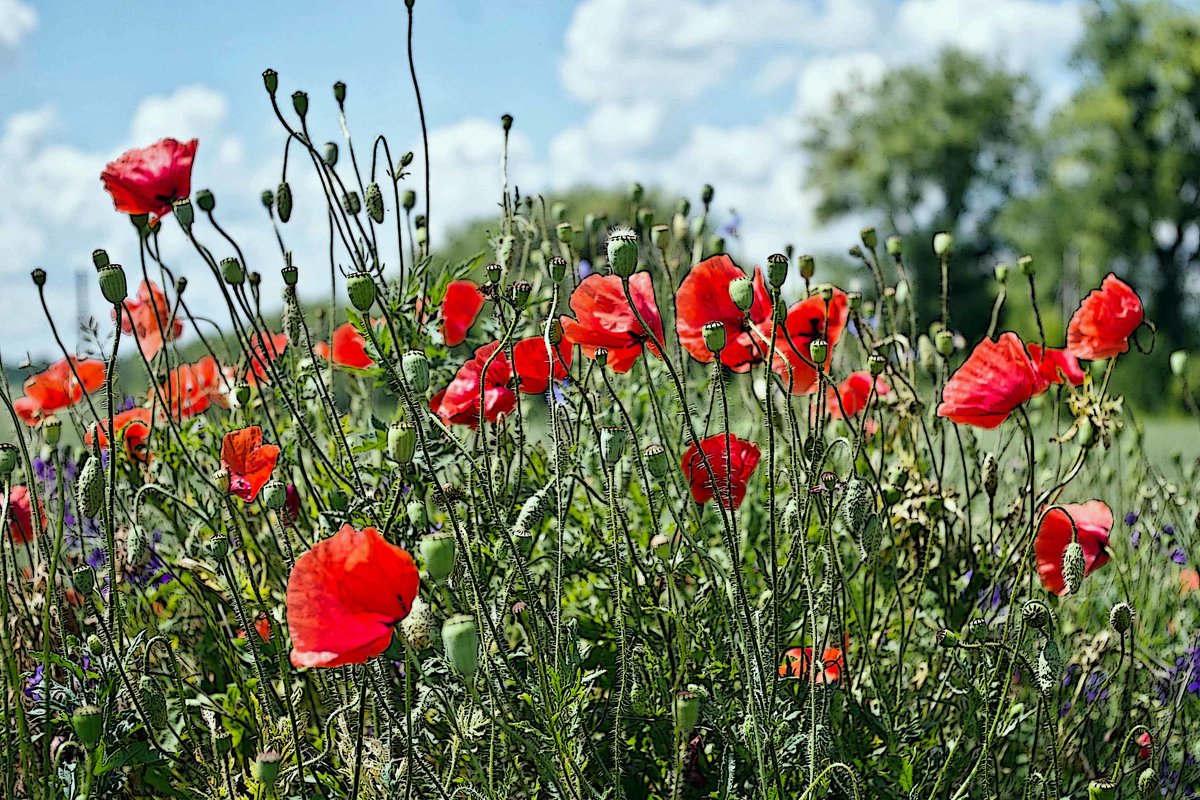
{"x":291,"y":506}
{"x":996,"y":378}
{"x":249,"y":461}
{"x":21,"y":527}
{"x":133,"y":428}
{"x":703,"y":297}
{"x":1105,"y":320}
{"x":151,"y":319}
{"x":345,"y":596}
{"x":188,"y":389}
{"x":798,"y":661}
{"x":809,"y":319}
{"x":603,"y":318}
{"x":731,"y":473}
{"x":146,"y":179}
{"x":459,"y":403}
{"x":57,"y":388}
{"x":854,"y":393}
{"x":1144,"y":742}
{"x":1093,"y":521}
{"x":460,"y":308}
{"x":349,"y":348}
{"x":531,"y":363}
{"x":262,"y":625}
{"x":1055,"y":366}
{"x":263,"y":352}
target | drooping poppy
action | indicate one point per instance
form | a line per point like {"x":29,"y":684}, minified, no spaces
{"x":807,"y":320}
{"x":249,"y":461}
{"x":854,"y":393}
{"x":703,"y":297}
{"x":533,"y":364}
{"x":1093,"y":521}
{"x":603,"y":318}
{"x":148,"y":318}
{"x":460,"y":308}
{"x":264,"y":351}
{"x":731,"y":471}
{"x":1104,"y":321}
{"x":57,"y":388}
{"x":995,"y":379}
{"x":349,"y":348}
{"x":345,"y":596}
{"x":1055,"y":366}
{"x":132,"y":427}
{"x":459,"y":403}
{"x":146,"y":180}
{"x":21,"y":525}
{"x":798,"y":662}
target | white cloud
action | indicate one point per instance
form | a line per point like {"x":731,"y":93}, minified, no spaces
{"x":193,"y":112}
{"x":17,"y":19}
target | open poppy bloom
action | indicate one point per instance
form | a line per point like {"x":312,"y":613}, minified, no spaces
{"x":189,"y":389}
{"x":264,"y":351}
{"x":809,"y":319}
{"x":460,"y":308}
{"x":132,"y":427}
{"x":57,"y":388}
{"x":798,"y":662}
{"x":1056,"y":366}
{"x":21,"y":526}
{"x":249,"y":461}
{"x":459,"y":403}
{"x":603,"y":318}
{"x":146,"y":179}
{"x":345,"y":596}
{"x":855,"y":391}
{"x":533,"y":366}
{"x":1105,"y":320}
{"x":349,"y":348}
{"x":148,"y":317}
{"x":1093,"y":521}
{"x":703,"y":297}
{"x":731,"y":471}
{"x":996,"y":378}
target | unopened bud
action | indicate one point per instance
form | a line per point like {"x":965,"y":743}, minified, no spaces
{"x":351,"y":203}
{"x":408,"y":200}
{"x":374,"y":201}
{"x":895,"y":246}
{"x":943,"y":244}
{"x":1073,"y":566}
{"x":660,"y":236}
{"x":612,"y":444}
{"x":687,"y":711}
{"x":283,"y":201}
{"x":1121,"y":617}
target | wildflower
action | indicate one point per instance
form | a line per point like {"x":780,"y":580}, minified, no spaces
{"x":249,"y":461}
{"x":531,"y":364}
{"x":189,"y":389}
{"x":812,"y":319}
{"x":21,"y":526}
{"x":148,"y":318}
{"x":1144,"y":742}
{"x":460,"y":402}
{"x":460,"y":308}
{"x":603,"y":319}
{"x":730,"y":473}
{"x":1178,"y":556}
{"x":1189,"y":581}
{"x":345,"y":596}
{"x":994,"y":380}
{"x":1055,"y":366}
{"x":798,"y":661}
{"x":1093,"y":521}
{"x":349,"y":348}
{"x":854,"y":393}
{"x":704,"y":298}
{"x":133,"y":427}
{"x":58,"y":388}
{"x":1105,"y":320}
{"x":146,"y":180}
{"x":263,"y":352}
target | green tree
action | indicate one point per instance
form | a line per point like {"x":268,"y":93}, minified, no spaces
{"x":929,"y":148}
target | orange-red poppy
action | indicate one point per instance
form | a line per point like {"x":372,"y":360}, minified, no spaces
{"x":21,"y":526}
{"x":1105,"y":320}
{"x":190,"y":388}
{"x":1056,"y":366}
{"x":731,"y":471}
{"x":262,"y":625}
{"x":133,"y":428}
{"x":1189,"y":581}
{"x":703,"y":297}
{"x":533,"y":364}
{"x":798,"y":662}
{"x":603,"y":318}
{"x":263,"y":352}
{"x":349,"y":348}
{"x":459,"y":403}
{"x":146,"y":179}
{"x":1145,"y":740}
{"x":460,"y":308}
{"x":995,"y":379}
{"x":854,"y":392}
{"x":57,"y":388}
{"x":1093,"y":521}
{"x":809,"y":319}
{"x":345,"y":596}
{"x":148,"y":317}
{"x":249,"y":461}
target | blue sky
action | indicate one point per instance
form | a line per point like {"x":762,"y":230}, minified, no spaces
{"x":674,"y":93}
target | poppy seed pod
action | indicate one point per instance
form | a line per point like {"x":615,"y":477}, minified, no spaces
{"x":1025,"y":264}
{"x":254,"y":278}
{"x":232,"y":271}
{"x":504,"y":249}
{"x":777,"y":270}
{"x":438,"y":552}
{"x":622,"y":252}
{"x":300,"y":103}
{"x":1035,"y":614}
{"x":944,"y":342}
{"x":415,"y":367}
{"x":612,"y":444}
{"x":870,"y":239}
{"x":205,"y":200}
{"x":808,"y":267}
{"x":947,"y":639}
{"x":943,"y":244}
{"x":84,"y":579}
{"x":88,"y":724}
{"x":283,"y":201}
{"x":876,"y":364}
{"x":977,"y":629}
{"x":218,"y":546}
{"x":714,"y":335}
{"x":636,"y":192}
{"x":645,"y":218}
{"x":351,"y":203}
{"x":241,"y":393}
{"x":89,"y":488}
{"x":894,"y":245}
{"x":406,"y":159}
{"x":39,"y":276}
{"x":518,"y":293}
{"x":408,"y":200}
{"x":1102,"y":789}
{"x":1121,"y":617}
{"x":268,"y":199}
{"x":52,"y":430}
{"x":330,"y":154}
{"x":1001,"y":273}
{"x":601,"y":356}
{"x":656,"y":461}
{"x":266,"y":767}
{"x":402,"y":442}
{"x":374,"y":200}
{"x":100,"y":258}
{"x":8,"y":459}
{"x":818,"y":351}
{"x":741,"y":292}
{"x":361,"y":288}
{"x":1073,"y":567}
{"x":461,"y":638}
{"x":338,"y":500}
{"x":506,"y":120}
{"x":706,"y":194}
{"x":274,"y":495}
{"x":558,"y":268}
{"x":687,"y":711}
{"x":290,"y":275}
{"x":1148,"y":784}
{"x":221,"y":478}
{"x":660,"y":236}
{"x":112,"y":283}
{"x":854,"y":302}
{"x":270,"y":81}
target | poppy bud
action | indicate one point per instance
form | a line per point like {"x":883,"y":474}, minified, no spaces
{"x":254,"y":278}
{"x":656,"y":460}
{"x":869,"y":238}
{"x":418,"y":628}
{"x":94,"y":645}
{"x":636,"y":192}
{"x":622,"y":252}
{"x":84,"y":579}
{"x":52,"y":430}
{"x":137,"y":546}
{"x":402,"y":442}
{"x":283,"y":202}
{"x":1025,"y":264}
{"x":601,"y":356}
{"x":645,"y":218}
{"x":274,"y":495}
{"x":374,"y":200}
{"x":612,"y":444}
{"x":1102,"y":789}
{"x":1035,"y":614}
{"x":406,"y":159}
{"x":714,"y":336}
{"x":1179,"y":361}
{"x":271,"y":81}
{"x":518,"y":293}
{"x":808,"y":267}
{"x":8,"y":459}
{"x":88,"y":724}
{"x":894,"y":246}
{"x":687,"y":711}
{"x":268,"y":199}
{"x":241,"y":393}
{"x":944,"y":342}
{"x":232,"y":271}
{"x":660,"y":236}
{"x":351,"y":204}
{"x":438,"y":553}
{"x":221,"y":479}
{"x":818,"y":351}
{"x":741,"y":292}
{"x":205,"y":200}
{"x":777,"y":269}
{"x":408,"y":200}
{"x":339,"y":92}
{"x":558,"y":268}
{"x":153,"y":702}
{"x":991,"y":475}
{"x":1148,"y":784}
{"x":461,"y":639}
{"x":683,"y":206}
{"x":857,"y":505}
{"x":89,"y":488}
{"x":876,"y":364}
{"x":943,"y":244}
{"x":415,"y":367}
{"x":506,"y":120}
{"x":1121,"y":617}
{"x":556,"y":332}
{"x":946,"y":638}
{"x":112,"y":284}
{"x":1073,"y":567}
{"x":218,"y":546}
{"x":1001,"y":273}
{"x":706,"y":194}
{"x":266,"y":767}
{"x":300,"y":103}
{"x":855,"y":252}
{"x":361,"y":288}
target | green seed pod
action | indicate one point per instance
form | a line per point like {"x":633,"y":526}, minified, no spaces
{"x":232,"y":271}
{"x":656,"y":461}
{"x":271,"y":81}
{"x":518,"y":293}
{"x":182,"y":208}
{"x":94,"y":645}
{"x":84,"y":579}
{"x":89,"y":488}
{"x":266,"y":768}
{"x":1025,"y":264}
{"x":241,"y":392}
{"x":218,"y":547}
{"x":714,"y":336}
{"x":338,"y":500}
{"x":153,"y":702}
{"x":944,"y":342}
{"x":39,"y":276}
{"x":402,"y":442}
{"x":506,"y":120}
{"x":818,"y":351}
{"x":558,"y":268}
{"x":978,"y":629}
{"x":408,"y":200}
{"x":137,"y":546}
{"x":8,"y":459}
{"x":1102,"y":789}
{"x":612,"y":444}
{"x":112,"y":284}
{"x":943,"y":244}
{"x":438,"y":551}
{"x":741,"y":292}
{"x":268,"y":199}
{"x":636,"y":192}
{"x":1001,"y":273}
{"x":415,"y":368}
{"x":220,"y":477}
{"x":1073,"y":567}
{"x":894,"y":246}
{"x":622,"y":252}
{"x":990,"y":474}
{"x":869,"y":238}
{"x":100,"y":258}
{"x":660,"y":236}
{"x":205,"y":200}
{"x":808,"y":267}
{"x":361,"y":288}
{"x":1121,"y":617}
{"x":419,"y":628}
{"x":872,"y":535}
{"x":300,"y":103}
{"x":1148,"y":784}
{"x":88,"y":724}
{"x":494,"y":271}
{"x":351,"y":203}
{"x":283,"y":201}
{"x":687,"y":711}
{"x":947,"y":639}
{"x":876,"y":364}
{"x":461,"y":639}
{"x":274,"y":495}
{"x":706,"y":194}
{"x":374,"y":201}
{"x":777,"y":270}
{"x":716,"y":244}
{"x":564,"y":232}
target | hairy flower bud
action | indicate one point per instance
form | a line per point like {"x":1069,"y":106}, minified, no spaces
{"x":283,"y":201}
{"x":990,"y":474}
{"x":419,"y":628}
{"x":95,"y":645}
{"x":374,"y":201}
{"x":154,"y":703}
{"x":1148,"y":784}
{"x":1073,"y":566}
{"x":89,"y":488}
{"x":351,"y":203}
{"x":1121,"y":617}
